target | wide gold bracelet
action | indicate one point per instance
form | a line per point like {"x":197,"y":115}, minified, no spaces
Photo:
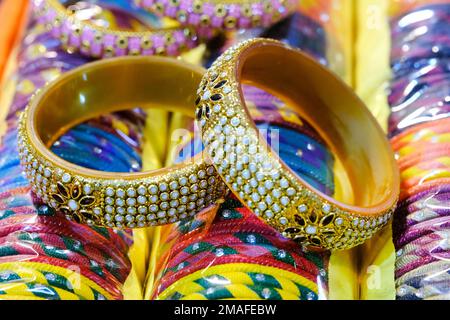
{"x":262,"y":181}
{"x":106,"y":198}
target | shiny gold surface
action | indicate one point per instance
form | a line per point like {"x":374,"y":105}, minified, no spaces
{"x":106,"y":198}
{"x":279,"y":196}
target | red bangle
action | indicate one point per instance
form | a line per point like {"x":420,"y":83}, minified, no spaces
{"x":58,"y":225}
{"x":242,"y":249}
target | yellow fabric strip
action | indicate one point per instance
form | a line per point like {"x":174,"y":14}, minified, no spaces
{"x":152,"y":156}
{"x":377,"y":256}
{"x":151,"y":272}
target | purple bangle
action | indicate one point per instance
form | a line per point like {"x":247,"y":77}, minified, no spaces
{"x":96,"y":41}
{"x":426,"y":205}
{"x":436,"y":47}
{"x":439,"y":192}
{"x":425,"y":215}
{"x":435,"y":268}
{"x":421,"y":229}
{"x":431,"y":248}
{"x":215,"y":14}
{"x":430,"y":15}
{"x":417,"y":263}
{"x":406,"y":260}
{"x":403,"y":88}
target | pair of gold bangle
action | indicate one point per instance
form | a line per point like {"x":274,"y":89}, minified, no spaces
{"x":237,"y":158}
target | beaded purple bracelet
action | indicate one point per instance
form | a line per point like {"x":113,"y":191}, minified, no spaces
{"x":216,"y":14}
{"x":93,"y":40}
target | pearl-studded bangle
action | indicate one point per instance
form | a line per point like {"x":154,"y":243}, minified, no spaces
{"x":262,"y":181}
{"x":219,"y":14}
{"x":96,"y":41}
{"x":105,"y":198}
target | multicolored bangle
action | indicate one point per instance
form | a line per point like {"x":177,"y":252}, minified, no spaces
{"x":110,"y":285}
{"x":96,"y":41}
{"x":65,"y":279}
{"x":431,"y":132}
{"x":233,"y":268}
{"x":34,"y":289}
{"x":217,"y":14}
{"x":410,"y":261}
{"x":243,"y":292}
{"x":274,"y":280}
{"x":257,"y":251}
{"x":422,"y":229}
{"x":60,"y":226}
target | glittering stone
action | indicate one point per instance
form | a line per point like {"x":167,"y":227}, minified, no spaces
{"x":282,"y":220}
{"x":73,"y":205}
{"x":142,"y":190}
{"x":120,"y":193}
{"x":66,"y":178}
{"x":87,"y":189}
{"x":141,"y":199}
{"x":153,"y":189}
{"x":109,"y":191}
{"x":131,"y":192}
{"x":311,"y":229}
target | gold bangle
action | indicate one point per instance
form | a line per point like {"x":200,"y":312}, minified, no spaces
{"x":106,"y":198}
{"x":262,"y":181}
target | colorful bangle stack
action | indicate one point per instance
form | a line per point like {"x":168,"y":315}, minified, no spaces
{"x":252,"y":260}
{"x":45,"y":256}
{"x":419,"y":130}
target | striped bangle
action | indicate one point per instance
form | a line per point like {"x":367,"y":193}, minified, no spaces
{"x":423,"y":229}
{"x":165,"y":292}
{"x":33,"y":288}
{"x":25,"y":276}
{"x":175,"y":275}
{"x":57,"y":225}
{"x":110,"y":284}
{"x":276,"y":281}
{"x":24,"y":268}
{"x":433,"y":268}
{"x":241,"y":291}
{"x":84,"y":248}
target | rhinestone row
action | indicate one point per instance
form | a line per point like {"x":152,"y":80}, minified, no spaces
{"x":100,"y":42}
{"x":214,"y":14}
{"x":253,"y":173}
{"x":120,"y":203}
